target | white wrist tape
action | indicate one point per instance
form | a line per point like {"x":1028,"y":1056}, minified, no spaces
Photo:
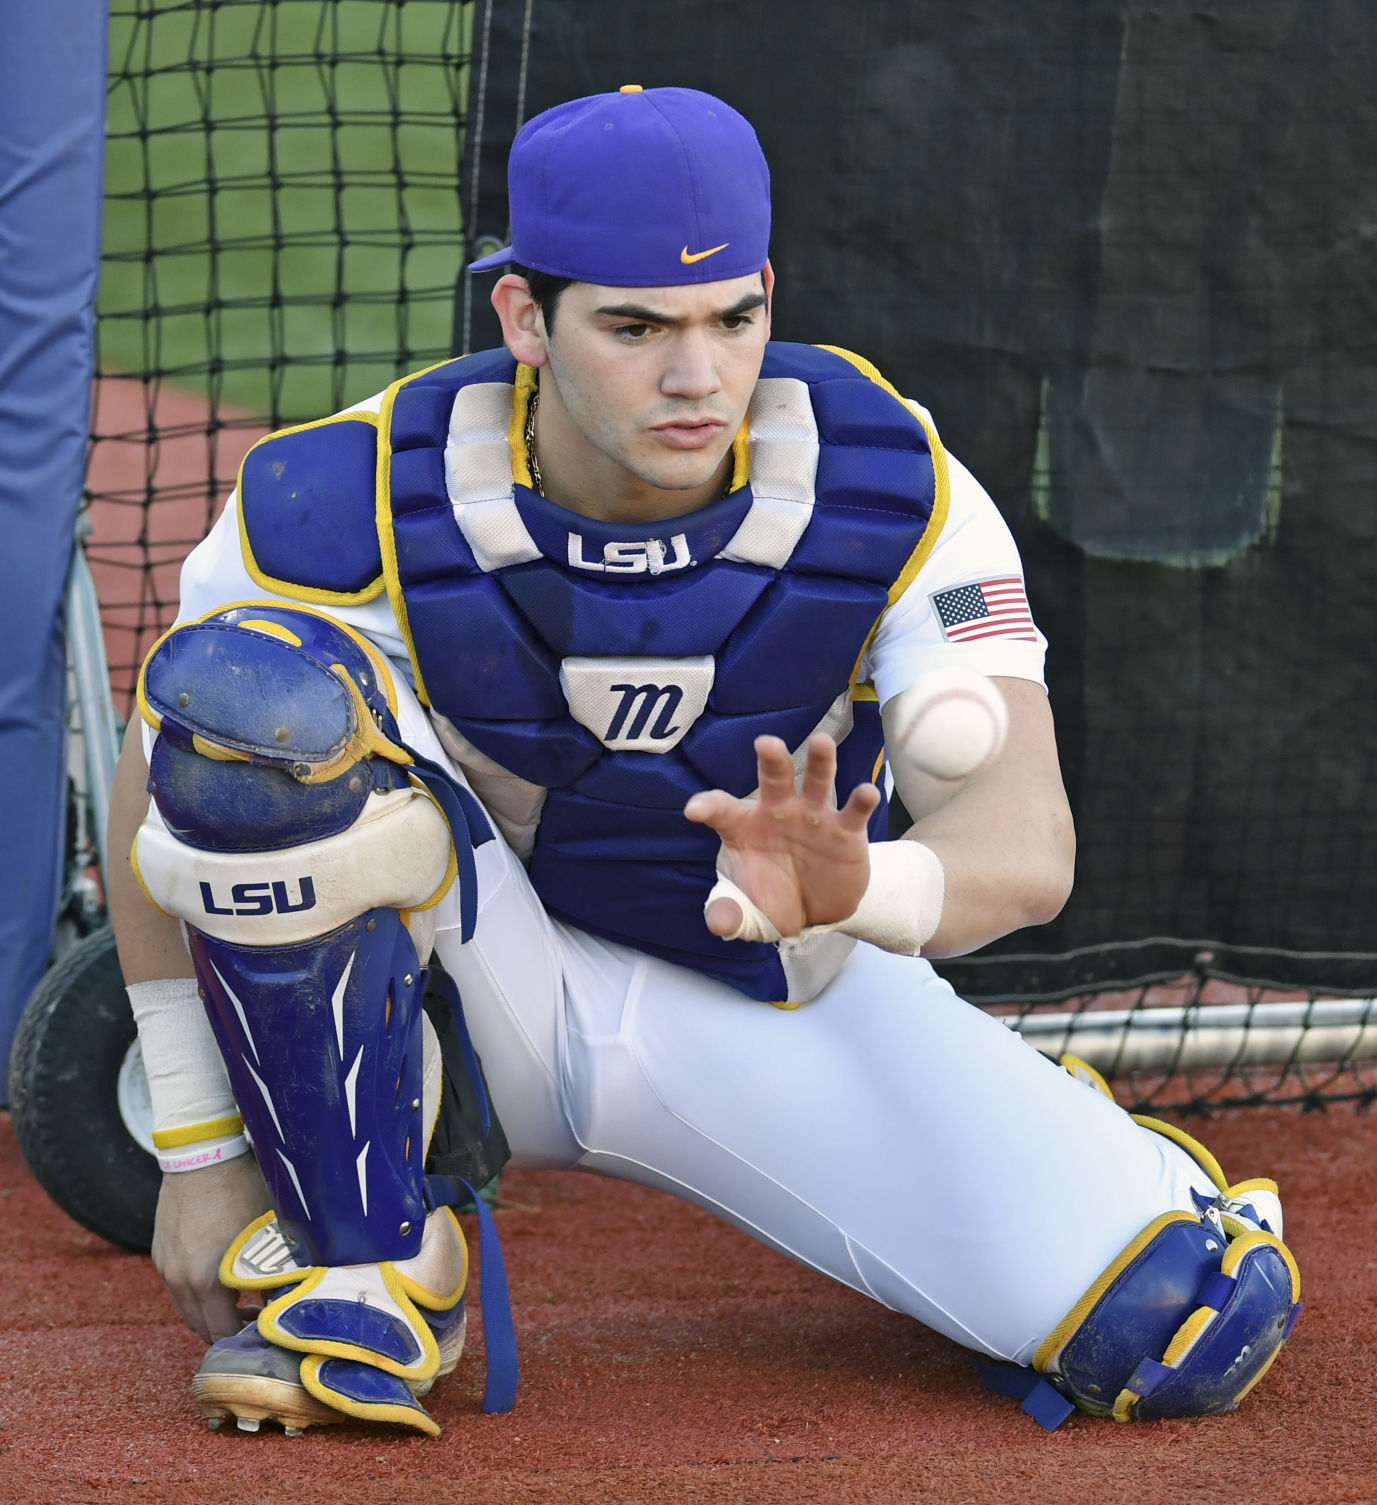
{"x":899,"y":911}
{"x":195,"y":1118}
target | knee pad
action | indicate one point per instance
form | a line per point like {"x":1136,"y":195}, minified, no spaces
{"x":285,"y":799}
{"x":1184,"y":1321}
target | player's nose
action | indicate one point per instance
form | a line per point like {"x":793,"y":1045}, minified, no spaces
{"x":692,"y":371}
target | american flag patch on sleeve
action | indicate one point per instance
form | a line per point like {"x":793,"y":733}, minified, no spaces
{"x":995,"y":608}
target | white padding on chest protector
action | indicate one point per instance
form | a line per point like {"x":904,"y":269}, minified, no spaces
{"x":784,"y":467}
{"x":514,"y":804}
{"x":478,"y":476}
{"x":395,"y":856}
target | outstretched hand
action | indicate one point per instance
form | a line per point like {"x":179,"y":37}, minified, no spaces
{"x":800,"y":861}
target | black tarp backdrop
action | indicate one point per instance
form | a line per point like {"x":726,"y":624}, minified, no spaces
{"x":1127,"y":254}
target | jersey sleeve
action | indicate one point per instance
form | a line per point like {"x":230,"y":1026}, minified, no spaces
{"x":966,"y":608}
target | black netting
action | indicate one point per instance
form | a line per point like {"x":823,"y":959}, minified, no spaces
{"x":1123,"y":252}
{"x":1210,"y":1038}
{"x":282,"y":235}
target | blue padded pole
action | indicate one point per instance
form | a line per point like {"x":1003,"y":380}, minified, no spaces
{"x":52,"y":119}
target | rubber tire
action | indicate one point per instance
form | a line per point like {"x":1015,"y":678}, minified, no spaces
{"x":64,"y":1071}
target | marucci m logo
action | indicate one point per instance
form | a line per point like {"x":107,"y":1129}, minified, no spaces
{"x":634,"y":704}
{"x":261,"y":898}
{"x":649,"y":697}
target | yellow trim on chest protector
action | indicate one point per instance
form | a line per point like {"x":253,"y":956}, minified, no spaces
{"x":527,"y":385}
{"x":387,"y":541}
{"x":941,"y":502}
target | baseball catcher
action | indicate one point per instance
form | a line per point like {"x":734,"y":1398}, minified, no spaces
{"x":536,"y":711}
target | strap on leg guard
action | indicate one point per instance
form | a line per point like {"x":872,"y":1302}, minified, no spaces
{"x":499,"y":1333}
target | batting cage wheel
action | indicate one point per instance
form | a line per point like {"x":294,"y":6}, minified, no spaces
{"x":79,"y":1098}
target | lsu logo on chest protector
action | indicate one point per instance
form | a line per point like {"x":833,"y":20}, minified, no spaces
{"x":647,"y":557}
{"x":637,"y":704}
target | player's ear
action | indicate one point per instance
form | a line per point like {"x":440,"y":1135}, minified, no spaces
{"x":523,"y":326}
{"x":767,"y":276}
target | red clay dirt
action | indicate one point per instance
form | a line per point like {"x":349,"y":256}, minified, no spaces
{"x":667,"y":1357}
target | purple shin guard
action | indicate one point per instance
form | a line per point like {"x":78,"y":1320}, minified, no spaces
{"x":323,"y":1044}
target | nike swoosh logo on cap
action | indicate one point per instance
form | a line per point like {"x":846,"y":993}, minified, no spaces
{"x":689,"y":257}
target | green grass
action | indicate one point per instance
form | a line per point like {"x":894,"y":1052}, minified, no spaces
{"x":282,"y":221}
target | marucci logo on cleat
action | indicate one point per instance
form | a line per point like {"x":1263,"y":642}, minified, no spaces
{"x":270,"y":1254}
{"x":261,"y":898}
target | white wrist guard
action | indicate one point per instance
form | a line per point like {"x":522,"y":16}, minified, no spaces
{"x":899,"y":911}
{"x":195,"y":1118}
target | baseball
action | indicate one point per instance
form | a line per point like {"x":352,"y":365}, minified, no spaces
{"x":950,"y":724}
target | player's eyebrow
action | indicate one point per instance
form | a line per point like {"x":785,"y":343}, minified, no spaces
{"x":639,"y":313}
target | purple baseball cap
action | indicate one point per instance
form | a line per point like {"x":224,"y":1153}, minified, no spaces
{"x":641,"y":188}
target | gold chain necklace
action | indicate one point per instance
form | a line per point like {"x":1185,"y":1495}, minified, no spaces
{"x":532,"y":464}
